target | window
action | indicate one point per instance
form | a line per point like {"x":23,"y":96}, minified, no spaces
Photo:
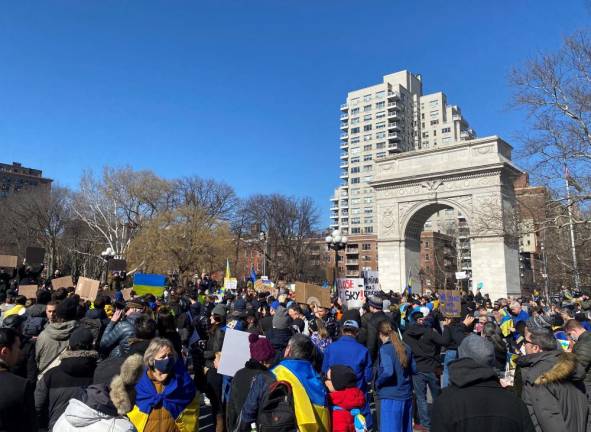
{"x":355,"y":221}
{"x":423,"y":125}
{"x":367,"y":128}
{"x":355,"y":211}
{"x":368,"y":200}
{"x":367,"y":108}
{"x":355,"y":120}
{"x":366,"y":258}
{"x":367,"y":178}
{"x":354,"y":111}
{"x":425,"y":134}
{"x":355,"y":130}
{"x":366,"y":246}
{"x":435,"y":133}
{"x":368,"y":230}
{"x":446,"y":130}
{"x":425,"y":143}
{"x":380,"y":94}
{"x":367,"y":168}
{"x":368,"y":210}
{"x":367,"y":158}
{"x":446,"y":140}
{"x":367,"y":137}
{"x":355,"y":180}
{"x":367,"y":147}
{"x":355,"y":150}
{"x":355,"y":201}
{"x":434,"y":122}
{"x":381,"y":125}
{"x":367,"y":117}
{"x":355,"y":170}
{"x":356,"y":192}
{"x":434,"y":114}
{"x":380,"y":105}
{"x":380,"y":145}
{"x":423,"y":116}
{"x":380,"y":114}
{"x":355,"y":230}
{"x":380,"y":135}
{"x":354,"y":140}
{"x":427,"y":257}
{"x":355,"y":101}
{"x":366,"y":98}
{"x":427,"y":244}
{"x":368,"y":220}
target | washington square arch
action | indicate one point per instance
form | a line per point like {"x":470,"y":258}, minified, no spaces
{"x":474,"y":177}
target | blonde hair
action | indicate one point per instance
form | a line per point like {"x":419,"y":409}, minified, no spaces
{"x":154,"y":348}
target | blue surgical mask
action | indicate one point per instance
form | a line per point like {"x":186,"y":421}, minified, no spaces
{"x":165,"y":365}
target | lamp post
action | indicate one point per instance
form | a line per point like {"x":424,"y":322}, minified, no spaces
{"x":263,"y":238}
{"x":107,"y":255}
{"x":336,"y":241}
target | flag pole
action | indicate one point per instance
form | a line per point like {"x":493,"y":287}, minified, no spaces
{"x":571,"y":229}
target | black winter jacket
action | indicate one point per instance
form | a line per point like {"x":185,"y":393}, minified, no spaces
{"x":425,"y":344}
{"x":239,"y":391}
{"x":373,"y":342}
{"x":214,"y":344}
{"x":279,"y":339}
{"x":475,"y":401}
{"x":553,"y":391}
{"x":455,"y":334}
{"x":17,"y":405}
{"x":63,"y":382}
{"x":582,"y":350}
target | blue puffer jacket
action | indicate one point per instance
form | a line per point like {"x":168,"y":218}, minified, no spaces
{"x":392,"y":380}
{"x":116,"y":335}
{"x":348,"y":352}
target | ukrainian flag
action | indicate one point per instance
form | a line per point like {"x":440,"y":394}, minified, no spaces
{"x":506,"y":323}
{"x":309,"y":394}
{"x":144,"y":283}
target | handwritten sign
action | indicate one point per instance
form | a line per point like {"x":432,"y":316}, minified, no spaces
{"x":450,"y":303}
{"x":87,"y":289}
{"x":63,"y":282}
{"x":371,"y":281}
{"x":351,"y":292}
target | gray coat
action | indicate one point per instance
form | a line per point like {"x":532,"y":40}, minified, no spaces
{"x":553,"y":391}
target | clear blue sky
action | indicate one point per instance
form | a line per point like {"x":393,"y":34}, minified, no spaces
{"x":247,"y":92}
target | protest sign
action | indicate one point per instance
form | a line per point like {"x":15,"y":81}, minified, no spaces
{"x":63,"y":282}
{"x":263,"y":285}
{"x":230,"y":283}
{"x":126,"y":293}
{"x":312,"y":294}
{"x":371,"y":281}
{"x":34,"y":255}
{"x":235,"y":352}
{"x":450,"y":303}
{"x":87,"y":289}
{"x":118,"y":265}
{"x":8,"y":261}
{"x":145,"y":283}
{"x":29,"y":291}
{"x":461,"y":275}
{"x":351,"y":292}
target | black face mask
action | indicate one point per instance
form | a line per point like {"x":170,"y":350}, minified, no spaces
{"x":165,"y":365}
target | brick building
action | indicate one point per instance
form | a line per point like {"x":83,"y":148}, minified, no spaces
{"x":437,"y":260}
{"x":16,"y":178}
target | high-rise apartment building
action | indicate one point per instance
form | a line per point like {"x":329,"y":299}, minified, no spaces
{"x":16,"y":178}
{"x":390,"y":117}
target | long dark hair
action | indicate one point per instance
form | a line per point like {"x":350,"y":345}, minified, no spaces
{"x":492,"y":332}
{"x":385,"y":329}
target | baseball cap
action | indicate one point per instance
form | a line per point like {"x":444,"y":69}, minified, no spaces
{"x":351,"y":324}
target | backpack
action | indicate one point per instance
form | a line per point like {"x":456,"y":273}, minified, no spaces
{"x":276,"y":412}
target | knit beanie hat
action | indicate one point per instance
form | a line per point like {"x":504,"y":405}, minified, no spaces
{"x":67,"y":310}
{"x":260,"y":348}
{"x":281,"y":318}
{"x":219,"y":310}
{"x":342,"y":377}
{"x":478,"y":349}
{"x":81,"y":339}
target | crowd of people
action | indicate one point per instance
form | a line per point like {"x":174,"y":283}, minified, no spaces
{"x":396,"y":364}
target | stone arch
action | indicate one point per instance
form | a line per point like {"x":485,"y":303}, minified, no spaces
{"x":417,"y":215}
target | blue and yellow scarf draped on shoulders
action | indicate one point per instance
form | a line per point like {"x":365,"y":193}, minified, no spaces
{"x":179,"y":397}
{"x":309,"y":394}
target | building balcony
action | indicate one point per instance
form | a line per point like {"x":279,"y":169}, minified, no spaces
{"x":353,"y":251}
{"x":334,"y":225}
{"x":393,"y":95}
{"x":344,"y":116}
{"x":394,"y":105}
{"x":393,"y":115}
{"x":352,"y":262}
{"x":394,"y":126}
{"x":394,"y":148}
{"x":344,"y":107}
{"x":334,"y":207}
{"x":344,"y":165}
{"x":456,"y":117}
{"x":344,"y":125}
{"x":394,"y":136}
{"x":344,"y":145}
{"x":344,"y":135}
{"x":344,"y":175}
{"x":345,"y":155}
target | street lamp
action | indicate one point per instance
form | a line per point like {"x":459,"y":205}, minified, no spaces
{"x":336,"y":241}
{"x":263,"y":238}
{"x":107,"y":255}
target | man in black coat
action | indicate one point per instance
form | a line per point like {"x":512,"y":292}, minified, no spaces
{"x":582,"y":348}
{"x":475,"y":400}
{"x":17,"y":406}
{"x":376,"y":306}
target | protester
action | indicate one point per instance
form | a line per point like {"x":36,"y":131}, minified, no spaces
{"x":115,"y":339}
{"x":552,"y":383}
{"x":166,"y":398}
{"x":281,"y":331}
{"x":100,"y":407}
{"x":26,"y":366}
{"x":346,"y":399}
{"x":17,"y":405}
{"x":394,"y":385}
{"x":376,"y":315}
{"x":213,"y":386}
{"x":582,"y":348}
{"x":475,"y":400}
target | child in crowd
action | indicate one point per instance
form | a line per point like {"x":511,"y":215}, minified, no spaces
{"x":346,"y":400}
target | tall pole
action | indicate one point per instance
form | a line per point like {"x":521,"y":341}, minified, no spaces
{"x":265,"y":259}
{"x":571,"y":230}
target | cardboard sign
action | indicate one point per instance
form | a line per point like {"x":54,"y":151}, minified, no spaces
{"x":351,"y":292}
{"x":34,"y":255}
{"x":262,"y":285}
{"x":450,"y":303}
{"x":235,"y":352}
{"x":87,"y":289}
{"x":312,"y":294}
{"x":230,"y":283}
{"x":8,"y":261}
{"x":63,"y":282}
{"x":127,"y":293}
{"x":29,"y":291}
{"x":371,"y":281}
{"x":118,"y":265}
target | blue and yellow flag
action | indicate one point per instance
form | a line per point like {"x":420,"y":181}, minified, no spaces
{"x":309,"y":394}
{"x":144,"y":283}
{"x":506,"y":323}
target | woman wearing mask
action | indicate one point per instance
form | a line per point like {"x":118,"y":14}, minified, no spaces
{"x":166,"y":398}
{"x":393,"y":383}
{"x":213,"y":380}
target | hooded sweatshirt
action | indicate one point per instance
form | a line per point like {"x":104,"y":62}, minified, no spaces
{"x":475,"y":400}
{"x":425,"y":344}
{"x":52,"y":341}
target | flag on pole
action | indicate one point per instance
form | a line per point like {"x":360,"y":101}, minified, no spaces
{"x":253,"y":275}
{"x":228,"y":275}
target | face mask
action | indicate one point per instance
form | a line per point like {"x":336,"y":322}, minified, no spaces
{"x":164,"y":365}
